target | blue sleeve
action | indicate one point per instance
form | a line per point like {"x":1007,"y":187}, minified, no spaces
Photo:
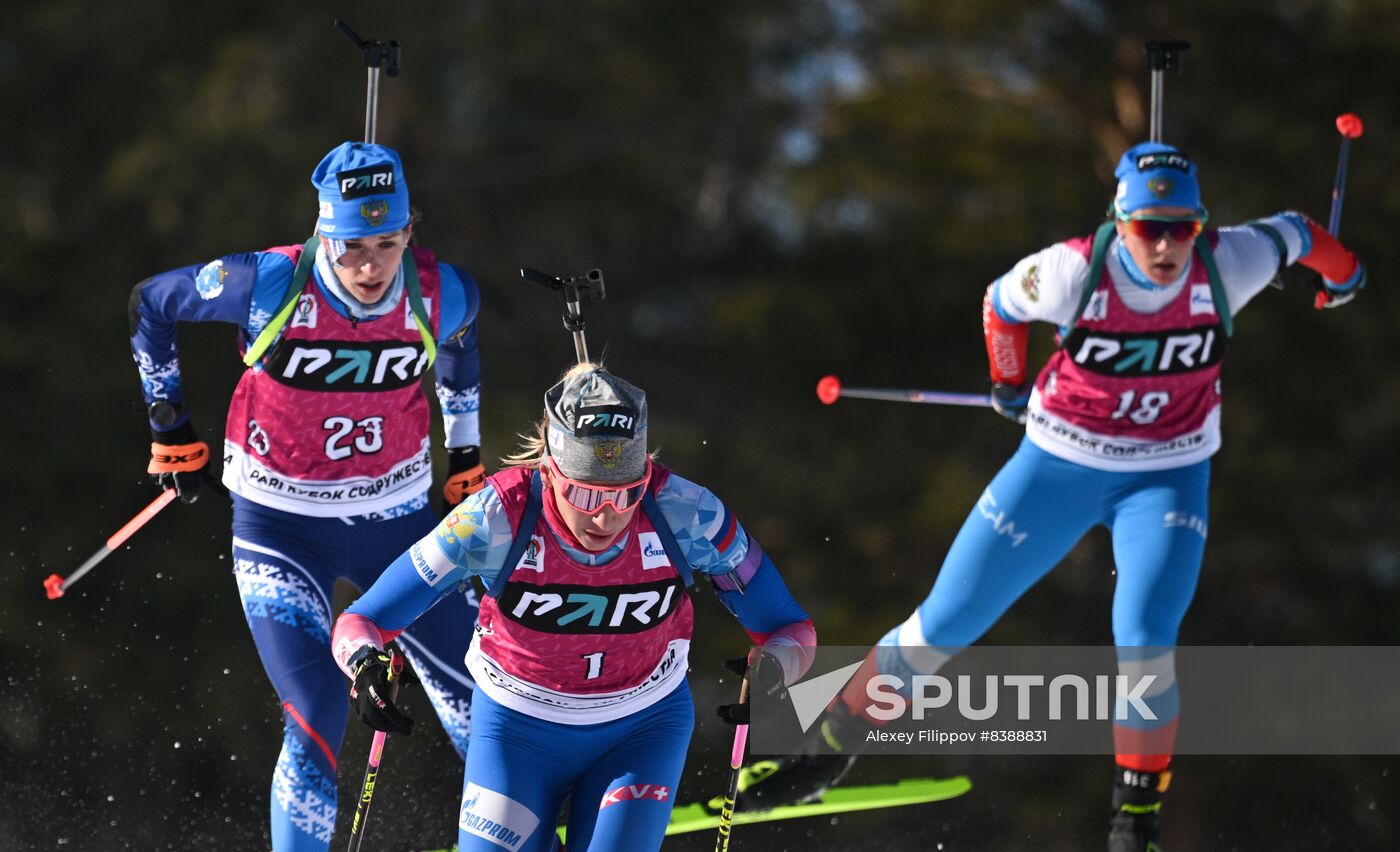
{"x":236,"y":289}
{"x":461,"y":298}
{"x":399,"y":596}
{"x":716,"y":544}
{"x":457,"y":370}
{"x":472,"y":541}
{"x":764,"y":604}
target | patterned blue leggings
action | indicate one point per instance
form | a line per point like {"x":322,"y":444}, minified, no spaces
{"x":285,"y":566}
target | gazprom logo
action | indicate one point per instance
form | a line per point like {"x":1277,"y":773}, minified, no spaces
{"x":494,"y":817}
{"x":653,"y":551}
{"x":1202,"y":302}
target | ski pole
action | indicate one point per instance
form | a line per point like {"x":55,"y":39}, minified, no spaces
{"x":55,"y":586}
{"x":1350,"y":127}
{"x":374,"y":53}
{"x":1162,"y":56}
{"x":573,"y":289}
{"x":376,"y":754}
{"x":736,"y":760}
{"x":830,"y":389}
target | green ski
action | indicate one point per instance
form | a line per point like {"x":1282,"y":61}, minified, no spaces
{"x":700,"y":816}
{"x":838,"y":800}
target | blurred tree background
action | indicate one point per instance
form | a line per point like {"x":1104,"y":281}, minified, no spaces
{"x":775,"y":191}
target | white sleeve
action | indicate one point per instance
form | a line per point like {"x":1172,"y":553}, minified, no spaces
{"x":1045,"y":286}
{"x":1248,"y":258}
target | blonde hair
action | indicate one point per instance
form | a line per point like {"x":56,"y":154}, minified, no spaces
{"x":534,"y":442}
{"x":531,"y":451}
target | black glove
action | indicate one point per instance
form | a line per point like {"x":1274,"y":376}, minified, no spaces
{"x":378,"y":676}
{"x":765,"y":679}
{"x":178,"y":457}
{"x":1010,"y":401}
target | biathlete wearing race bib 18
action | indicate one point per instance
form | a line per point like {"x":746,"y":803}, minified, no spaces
{"x":1121,"y":424}
{"x":1133,"y":391}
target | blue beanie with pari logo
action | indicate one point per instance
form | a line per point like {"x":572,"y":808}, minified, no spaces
{"x":1154,"y":174}
{"x":362,"y":192}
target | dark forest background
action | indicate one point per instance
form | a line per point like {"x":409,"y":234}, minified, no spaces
{"x":774,"y":191}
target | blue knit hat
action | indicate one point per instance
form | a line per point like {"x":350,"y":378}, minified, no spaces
{"x":1153,"y":174}
{"x":362,"y":192}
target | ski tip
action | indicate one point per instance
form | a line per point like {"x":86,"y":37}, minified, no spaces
{"x":53,"y":587}
{"x":828,"y":389}
{"x":1349,"y":125}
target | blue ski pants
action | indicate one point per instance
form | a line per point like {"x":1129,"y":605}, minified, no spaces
{"x":620,"y":778}
{"x":1037,"y":508}
{"x":1025,"y":522}
{"x":285,"y":566}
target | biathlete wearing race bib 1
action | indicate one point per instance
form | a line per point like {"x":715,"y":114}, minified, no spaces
{"x":567,"y":642}
{"x":582,"y":648}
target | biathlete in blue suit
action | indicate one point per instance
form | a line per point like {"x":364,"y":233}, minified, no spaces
{"x":587,"y":546}
{"x":326,"y":448}
{"x":1120,"y":427}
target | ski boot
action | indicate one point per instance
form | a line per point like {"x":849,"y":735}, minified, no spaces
{"x":825,"y":756}
{"x":1137,"y":798}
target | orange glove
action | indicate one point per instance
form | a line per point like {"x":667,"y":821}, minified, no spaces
{"x":177,"y":457}
{"x":465,"y":474}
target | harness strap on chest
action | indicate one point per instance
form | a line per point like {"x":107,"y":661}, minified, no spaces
{"x":1217,"y":287}
{"x":1098,"y":257}
{"x":415,"y":301}
{"x":270,"y":333}
{"x":530,"y":517}
{"x":1102,"y":237}
{"x":668,"y":538}
{"x":275,"y":325}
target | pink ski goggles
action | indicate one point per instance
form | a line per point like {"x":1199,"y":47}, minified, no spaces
{"x":589,"y":498}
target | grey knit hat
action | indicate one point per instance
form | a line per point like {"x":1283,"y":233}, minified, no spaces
{"x":597,"y":427}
